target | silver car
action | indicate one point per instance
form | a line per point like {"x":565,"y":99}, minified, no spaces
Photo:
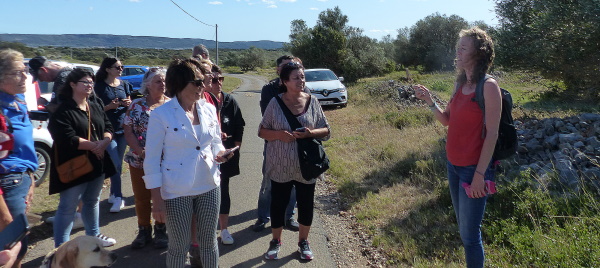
{"x":327,"y":87}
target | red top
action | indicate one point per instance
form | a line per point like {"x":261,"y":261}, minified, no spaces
{"x":464,"y":143}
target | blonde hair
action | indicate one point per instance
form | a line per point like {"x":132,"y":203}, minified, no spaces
{"x":7,"y":57}
{"x":484,"y":53}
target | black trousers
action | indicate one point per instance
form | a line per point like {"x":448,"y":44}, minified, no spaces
{"x":280,"y":196}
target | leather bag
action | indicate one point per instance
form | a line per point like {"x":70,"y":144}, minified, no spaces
{"x":78,"y":166}
{"x":312,"y":156}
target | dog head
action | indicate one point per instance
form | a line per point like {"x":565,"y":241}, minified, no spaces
{"x":83,"y":252}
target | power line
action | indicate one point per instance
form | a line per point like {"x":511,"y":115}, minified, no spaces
{"x":191,"y":15}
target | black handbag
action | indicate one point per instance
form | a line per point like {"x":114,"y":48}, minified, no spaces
{"x":313,"y":160}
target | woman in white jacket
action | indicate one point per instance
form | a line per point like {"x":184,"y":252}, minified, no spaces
{"x":183,"y":150}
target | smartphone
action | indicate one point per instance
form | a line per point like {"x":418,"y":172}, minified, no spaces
{"x":301,"y":129}
{"x":14,"y":232}
{"x":229,"y":151}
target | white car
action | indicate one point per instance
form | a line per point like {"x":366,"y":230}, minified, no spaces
{"x":326,"y":86}
{"x":39,"y":119}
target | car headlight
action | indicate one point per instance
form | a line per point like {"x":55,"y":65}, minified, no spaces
{"x":342,"y":89}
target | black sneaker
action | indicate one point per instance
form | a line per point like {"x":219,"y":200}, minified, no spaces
{"x":292,"y":225}
{"x":161,"y":240}
{"x":143,"y":237}
{"x":259,"y":225}
{"x":304,"y":250}
{"x":274,"y":247}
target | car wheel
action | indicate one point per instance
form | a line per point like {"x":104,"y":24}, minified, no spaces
{"x":44,"y":162}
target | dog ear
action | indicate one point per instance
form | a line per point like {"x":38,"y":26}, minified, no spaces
{"x":69,"y":259}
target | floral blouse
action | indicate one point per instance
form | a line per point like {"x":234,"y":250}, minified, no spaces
{"x":137,"y":118}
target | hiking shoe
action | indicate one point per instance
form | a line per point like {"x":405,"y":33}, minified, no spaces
{"x":161,"y":240}
{"x":111,"y":198}
{"x":117,"y":205}
{"x":304,"y":250}
{"x":106,"y":241}
{"x":292,"y":225}
{"x":273,"y":250}
{"x":143,"y":237}
{"x":226,"y":237}
{"x":259,"y":225}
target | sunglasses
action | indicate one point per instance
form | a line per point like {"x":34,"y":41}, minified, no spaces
{"x":120,"y":67}
{"x":198,"y":83}
{"x":217,"y":79}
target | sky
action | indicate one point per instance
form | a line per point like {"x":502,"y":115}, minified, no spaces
{"x":237,"y":20}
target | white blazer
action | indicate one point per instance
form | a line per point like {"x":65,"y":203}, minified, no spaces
{"x":177,"y":161}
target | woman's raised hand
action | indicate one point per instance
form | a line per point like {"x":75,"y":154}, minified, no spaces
{"x":422,"y":93}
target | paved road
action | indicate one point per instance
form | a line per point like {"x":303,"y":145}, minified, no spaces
{"x":249,"y":246}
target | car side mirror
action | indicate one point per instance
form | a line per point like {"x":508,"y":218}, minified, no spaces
{"x":39,"y":115}
{"x":341,"y":78}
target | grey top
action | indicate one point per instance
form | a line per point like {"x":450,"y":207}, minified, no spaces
{"x":282,"y":164}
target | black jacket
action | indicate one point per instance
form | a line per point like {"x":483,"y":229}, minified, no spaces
{"x":233,"y":124}
{"x":66,"y":125}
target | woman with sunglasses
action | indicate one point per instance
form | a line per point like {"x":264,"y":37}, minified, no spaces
{"x":115,"y":94}
{"x":232,"y":130}
{"x":16,"y":166}
{"x":136,"y":127}
{"x":181,"y":165}
{"x":282,"y":165}
{"x":80,"y":127}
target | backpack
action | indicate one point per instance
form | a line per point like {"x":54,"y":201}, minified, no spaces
{"x":507,"y":142}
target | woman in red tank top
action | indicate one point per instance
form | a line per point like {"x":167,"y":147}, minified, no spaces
{"x":468,"y":149}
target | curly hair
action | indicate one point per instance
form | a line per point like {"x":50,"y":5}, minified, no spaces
{"x":484,"y":54}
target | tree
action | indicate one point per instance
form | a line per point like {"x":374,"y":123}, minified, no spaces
{"x":560,"y":39}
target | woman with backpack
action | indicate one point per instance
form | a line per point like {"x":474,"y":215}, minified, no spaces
{"x":472,"y":135}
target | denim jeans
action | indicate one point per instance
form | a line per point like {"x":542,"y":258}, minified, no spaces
{"x":469,"y":211}
{"x":116,"y":150}
{"x":89,"y":194}
{"x":15,"y":187}
{"x":264,"y":197}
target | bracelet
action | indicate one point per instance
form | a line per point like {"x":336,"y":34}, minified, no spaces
{"x":477,"y":171}
{"x":433,"y":107}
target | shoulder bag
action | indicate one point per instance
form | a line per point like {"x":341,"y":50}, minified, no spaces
{"x":313,"y":160}
{"x":78,"y":166}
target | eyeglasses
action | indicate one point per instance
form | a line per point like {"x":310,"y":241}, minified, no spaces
{"x":217,"y":79}
{"x":87,"y":83}
{"x":198,"y":82}
{"x":120,"y":67}
{"x":19,"y":72}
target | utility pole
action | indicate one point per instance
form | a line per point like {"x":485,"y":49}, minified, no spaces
{"x":116,"y":52}
{"x":217,"y":41}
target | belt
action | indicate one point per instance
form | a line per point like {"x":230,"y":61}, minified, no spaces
{"x":11,"y":173}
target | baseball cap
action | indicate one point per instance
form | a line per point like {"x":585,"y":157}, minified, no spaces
{"x":35,"y":64}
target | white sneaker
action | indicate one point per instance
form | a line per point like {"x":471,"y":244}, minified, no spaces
{"x":111,"y":198}
{"x":77,"y":221}
{"x":226,"y":238}
{"x":117,"y":205}
{"x":106,"y":241}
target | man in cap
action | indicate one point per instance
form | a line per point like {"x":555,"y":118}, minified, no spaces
{"x":45,"y":70}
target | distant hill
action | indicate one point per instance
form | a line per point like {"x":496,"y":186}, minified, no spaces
{"x":108,"y":40}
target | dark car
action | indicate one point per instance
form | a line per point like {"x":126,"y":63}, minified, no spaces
{"x":134,"y":75}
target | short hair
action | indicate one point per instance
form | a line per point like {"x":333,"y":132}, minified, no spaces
{"x":180,"y":73}
{"x":108,"y":62}
{"x":282,"y":58}
{"x":66,"y":92}
{"x":150,"y":74}
{"x":285,"y":73}
{"x":484,"y":53}
{"x":200,"y":50}
{"x":216,"y":69}
{"x":7,"y":57}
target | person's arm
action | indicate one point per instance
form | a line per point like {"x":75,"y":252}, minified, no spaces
{"x":238,"y":124}
{"x":423,"y":93}
{"x":5,"y":217}
{"x":158,"y":205}
{"x":493,"y":111}
{"x":9,"y":256}
{"x":130,"y":137}
{"x":266,"y":94}
{"x":272,"y":135}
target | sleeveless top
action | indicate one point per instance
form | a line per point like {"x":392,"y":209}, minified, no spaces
{"x":464,"y":143}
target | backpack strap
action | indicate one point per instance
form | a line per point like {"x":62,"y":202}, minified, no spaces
{"x":292,"y":120}
{"x":480,"y":100}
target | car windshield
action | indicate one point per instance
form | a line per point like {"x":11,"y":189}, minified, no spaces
{"x":323,"y":75}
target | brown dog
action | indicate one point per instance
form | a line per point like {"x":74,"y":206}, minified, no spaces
{"x":81,"y":252}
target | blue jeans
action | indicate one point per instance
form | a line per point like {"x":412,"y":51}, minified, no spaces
{"x":89,"y":194}
{"x":264,"y":197}
{"x":469,"y":211}
{"x":116,"y":150}
{"x":15,"y":187}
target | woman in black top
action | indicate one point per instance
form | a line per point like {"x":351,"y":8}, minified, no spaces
{"x":115,"y":95}
{"x":69,"y":127}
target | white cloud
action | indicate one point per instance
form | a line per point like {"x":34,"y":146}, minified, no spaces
{"x":313,"y":8}
{"x":289,"y":1}
{"x":268,"y":2}
{"x":381,"y":31}
{"x":272,"y":6}
{"x":215,"y":3}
